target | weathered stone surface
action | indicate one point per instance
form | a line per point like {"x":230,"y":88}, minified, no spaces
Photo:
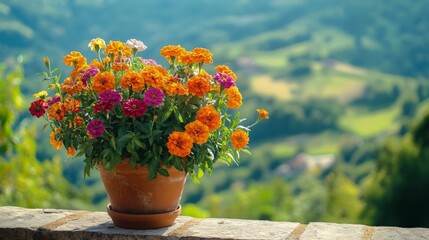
{"x":395,"y":233}
{"x":16,"y":217}
{"x":49,"y":224}
{"x":332,"y":231}
{"x":211,"y":228}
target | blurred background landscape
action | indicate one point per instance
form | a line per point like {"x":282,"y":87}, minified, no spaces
{"x":346,"y":84}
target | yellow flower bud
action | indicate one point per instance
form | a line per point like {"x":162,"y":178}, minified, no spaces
{"x":41,"y":94}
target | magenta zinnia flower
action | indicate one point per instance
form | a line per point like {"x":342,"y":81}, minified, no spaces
{"x":38,"y":108}
{"x":110,"y":96}
{"x":224,"y":79}
{"x":90,"y":72}
{"x":54,"y":99}
{"x":154,"y":97}
{"x":102,"y":107}
{"x":134,"y":107}
{"x":95,"y":128}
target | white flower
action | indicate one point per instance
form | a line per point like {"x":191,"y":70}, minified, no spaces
{"x":134,"y":43}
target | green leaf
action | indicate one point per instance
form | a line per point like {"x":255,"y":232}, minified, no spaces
{"x":122,"y":141}
{"x":163,"y":172}
{"x":194,"y":178}
{"x":153,"y":168}
{"x":200,"y":173}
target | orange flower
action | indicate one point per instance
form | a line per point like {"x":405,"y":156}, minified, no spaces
{"x":72,"y":86}
{"x":78,"y":120}
{"x":202,"y":55}
{"x":234,"y":97}
{"x":263,"y":114}
{"x":74,"y":59}
{"x":198,"y":85}
{"x":120,"y":67}
{"x":133,"y":80}
{"x":103,"y":81}
{"x":172,"y":51}
{"x":56,"y":111}
{"x":53,"y":139}
{"x":209,"y":116}
{"x":118,"y":49}
{"x":154,"y":76}
{"x":71,"y":151}
{"x":197,"y":56}
{"x":225,"y":69}
{"x":174,"y":87}
{"x":97,"y":64}
{"x":179,"y":144}
{"x":239,"y":139}
{"x":198,"y":131}
{"x":72,"y":105}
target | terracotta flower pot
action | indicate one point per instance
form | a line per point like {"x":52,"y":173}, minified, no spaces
{"x":137,"y":202}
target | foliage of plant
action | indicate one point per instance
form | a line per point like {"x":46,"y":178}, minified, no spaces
{"x":120,"y":106}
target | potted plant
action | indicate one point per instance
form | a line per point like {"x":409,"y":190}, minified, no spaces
{"x":127,"y":115}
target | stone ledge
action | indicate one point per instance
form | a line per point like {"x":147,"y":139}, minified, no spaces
{"x":25,"y":224}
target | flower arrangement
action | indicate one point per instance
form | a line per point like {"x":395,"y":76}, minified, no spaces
{"x":121,"y":106}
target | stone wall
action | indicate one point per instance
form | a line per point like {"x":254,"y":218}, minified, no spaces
{"x":24,"y":224}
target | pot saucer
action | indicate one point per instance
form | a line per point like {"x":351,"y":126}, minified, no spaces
{"x":143,"y":221}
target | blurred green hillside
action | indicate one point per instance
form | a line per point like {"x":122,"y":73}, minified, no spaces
{"x":345,"y":82}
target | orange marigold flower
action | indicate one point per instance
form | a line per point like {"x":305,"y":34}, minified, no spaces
{"x":174,"y":87}
{"x":234,"y":97}
{"x":117,"y":48}
{"x":74,"y":59}
{"x":197,"y":56}
{"x":209,"y":116}
{"x":78,"y":120}
{"x":53,"y":139}
{"x":72,"y":86}
{"x":56,"y":111}
{"x":133,"y":80}
{"x":172,"y":51}
{"x":225,"y":69}
{"x":120,"y":67}
{"x":72,"y":105}
{"x":202,"y":55}
{"x":71,"y":151}
{"x":179,"y":144}
{"x":263,"y":114}
{"x":198,"y":131}
{"x":239,"y":139}
{"x":103,"y":81}
{"x":198,"y":85}
{"x":155,"y":76}
{"x":97,"y":64}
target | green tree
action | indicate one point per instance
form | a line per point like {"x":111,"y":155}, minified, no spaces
{"x":343,"y":199}
{"x":397,"y":193}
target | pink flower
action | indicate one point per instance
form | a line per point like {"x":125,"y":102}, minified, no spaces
{"x":54,"y":99}
{"x":150,"y":62}
{"x":110,"y":96}
{"x":134,"y":107}
{"x":224,"y":79}
{"x":154,"y":97}
{"x":90,"y":72}
{"x":95,"y":128}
